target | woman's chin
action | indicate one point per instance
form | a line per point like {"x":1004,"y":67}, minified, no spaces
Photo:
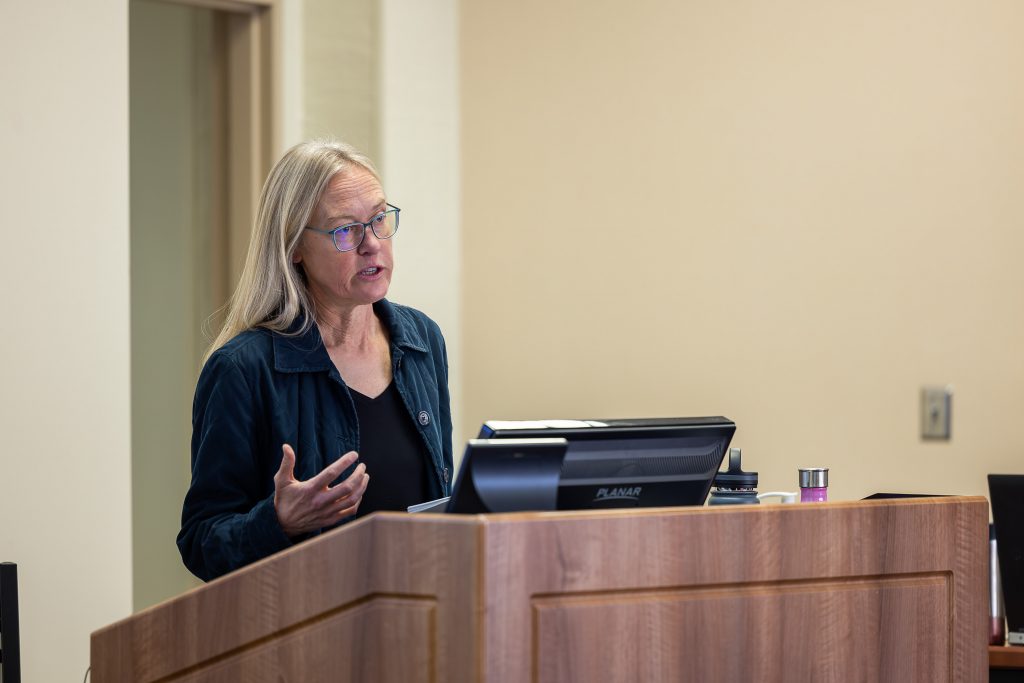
{"x":379,"y":290}
{"x":371,"y":292}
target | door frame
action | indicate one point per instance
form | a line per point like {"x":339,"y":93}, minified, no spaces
{"x":249,"y":67}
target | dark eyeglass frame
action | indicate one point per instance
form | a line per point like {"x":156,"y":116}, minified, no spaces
{"x":392,"y":209}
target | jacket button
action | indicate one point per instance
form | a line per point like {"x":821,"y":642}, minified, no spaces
{"x":423,"y":418}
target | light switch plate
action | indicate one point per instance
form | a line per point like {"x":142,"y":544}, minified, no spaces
{"x":936,"y":412}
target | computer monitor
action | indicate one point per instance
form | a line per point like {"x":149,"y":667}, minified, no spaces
{"x":645,"y":462}
{"x":508,"y":475}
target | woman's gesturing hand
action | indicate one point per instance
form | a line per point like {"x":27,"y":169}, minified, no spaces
{"x":304,"y":506}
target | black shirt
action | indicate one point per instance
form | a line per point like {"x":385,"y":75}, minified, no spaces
{"x":393,"y":451}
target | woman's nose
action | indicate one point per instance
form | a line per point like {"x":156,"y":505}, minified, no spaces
{"x":370,"y":243}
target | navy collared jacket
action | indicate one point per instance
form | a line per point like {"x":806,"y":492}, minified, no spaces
{"x":263,"y":389}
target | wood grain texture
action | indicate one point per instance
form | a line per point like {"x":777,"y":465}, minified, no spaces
{"x":911,"y":572}
{"x":309,"y":652}
{"x":865,"y":591}
{"x":839,"y":627}
{"x":386,"y":565}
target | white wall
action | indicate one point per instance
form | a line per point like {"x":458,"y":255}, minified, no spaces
{"x":65,"y":499}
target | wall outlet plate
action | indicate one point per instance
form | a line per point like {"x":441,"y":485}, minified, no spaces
{"x":936,"y":412}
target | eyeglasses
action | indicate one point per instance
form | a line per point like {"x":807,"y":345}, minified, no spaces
{"x":350,"y":236}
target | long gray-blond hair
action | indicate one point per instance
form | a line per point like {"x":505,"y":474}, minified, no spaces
{"x":271,"y":292}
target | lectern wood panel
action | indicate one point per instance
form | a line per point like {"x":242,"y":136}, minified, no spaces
{"x":891,"y":591}
{"x":870,"y":625}
{"x":361,"y":603}
{"x":348,"y":647}
{"x":835,"y":592}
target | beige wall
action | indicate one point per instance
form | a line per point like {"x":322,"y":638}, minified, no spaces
{"x":793,"y":214}
{"x":65,"y":498}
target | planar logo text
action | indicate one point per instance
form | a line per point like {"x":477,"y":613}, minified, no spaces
{"x":618,"y":493}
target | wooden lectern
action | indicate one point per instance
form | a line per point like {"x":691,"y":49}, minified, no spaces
{"x":861,"y":591}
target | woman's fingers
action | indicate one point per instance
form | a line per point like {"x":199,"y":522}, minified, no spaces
{"x":286,"y":472}
{"x":304,"y":506}
{"x":351,"y":484}
{"x":333,"y":471}
{"x":342,"y":514}
{"x":354,"y":490}
{"x":345,"y":506}
{"x":351,"y":503}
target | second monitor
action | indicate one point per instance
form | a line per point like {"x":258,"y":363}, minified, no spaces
{"x":647,"y":462}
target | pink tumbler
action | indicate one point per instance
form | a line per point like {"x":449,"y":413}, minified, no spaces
{"x":813,"y":484}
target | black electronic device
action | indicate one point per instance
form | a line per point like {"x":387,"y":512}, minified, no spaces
{"x":10,"y":639}
{"x":645,"y":462}
{"x":509,"y":475}
{"x":1006,"y":493}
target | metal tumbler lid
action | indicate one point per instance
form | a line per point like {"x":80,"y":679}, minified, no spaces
{"x":813,"y":477}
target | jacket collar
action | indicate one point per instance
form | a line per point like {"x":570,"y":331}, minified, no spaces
{"x":307,"y":353}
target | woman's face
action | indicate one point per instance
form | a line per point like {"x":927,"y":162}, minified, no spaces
{"x":344,"y":280}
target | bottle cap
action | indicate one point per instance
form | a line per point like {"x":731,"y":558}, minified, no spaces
{"x":813,"y":477}
{"x":735,"y":477}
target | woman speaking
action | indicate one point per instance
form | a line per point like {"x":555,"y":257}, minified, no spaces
{"x":319,"y":400}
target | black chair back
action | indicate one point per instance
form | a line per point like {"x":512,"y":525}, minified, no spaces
{"x":10,"y":644}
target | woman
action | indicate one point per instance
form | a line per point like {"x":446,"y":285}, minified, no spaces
{"x":316,"y":381}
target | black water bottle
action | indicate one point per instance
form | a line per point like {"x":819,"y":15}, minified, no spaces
{"x":734,"y":486}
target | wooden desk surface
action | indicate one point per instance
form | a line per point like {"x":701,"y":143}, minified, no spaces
{"x":1009,"y":657}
